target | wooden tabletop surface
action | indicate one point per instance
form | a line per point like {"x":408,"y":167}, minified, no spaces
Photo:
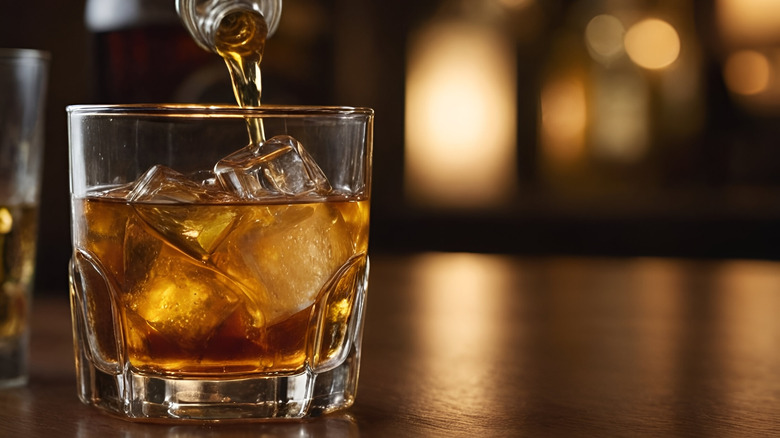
{"x":465,"y":345}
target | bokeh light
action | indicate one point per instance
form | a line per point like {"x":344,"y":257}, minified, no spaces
{"x":461,"y":106}
{"x":516,"y":4}
{"x":747,"y":72}
{"x":749,"y":22}
{"x":604,"y":37}
{"x":652,"y":43}
{"x":564,"y":118}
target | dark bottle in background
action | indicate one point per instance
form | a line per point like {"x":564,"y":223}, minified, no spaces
{"x":143,"y":54}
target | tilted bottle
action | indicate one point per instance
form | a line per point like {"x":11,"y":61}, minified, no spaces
{"x":203,"y":17}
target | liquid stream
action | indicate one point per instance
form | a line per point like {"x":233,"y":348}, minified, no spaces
{"x":240,"y":40}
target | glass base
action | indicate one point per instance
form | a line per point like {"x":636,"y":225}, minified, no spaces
{"x":141,"y":396}
{"x":13,"y":363}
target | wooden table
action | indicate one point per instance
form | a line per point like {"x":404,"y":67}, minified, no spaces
{"x":480,"y":346}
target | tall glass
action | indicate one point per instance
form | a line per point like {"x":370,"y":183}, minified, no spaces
{"x":215,"y":280}
{"x":23,"y":80}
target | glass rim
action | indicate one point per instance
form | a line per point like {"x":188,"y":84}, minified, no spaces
{"x":215,"y":111}
{"x":15,"y":53}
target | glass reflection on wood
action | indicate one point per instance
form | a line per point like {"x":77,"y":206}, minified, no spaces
{"x":639,"y":346}
{"x":637,"y":335}
{"x":748,"y":302}
{"x":459,"y":343}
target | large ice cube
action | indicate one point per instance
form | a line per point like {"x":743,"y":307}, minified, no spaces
{"x":279,"y":166}
{"x":161,"y":184}
{"x":285,"y":254}
{"x":141,"y":248}
{"x":194,"y":231}
{"x":164,"y":198}
{"x":183,"y":300}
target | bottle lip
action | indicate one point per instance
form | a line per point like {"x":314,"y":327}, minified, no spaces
{"x":200,"y":17}
{"x":216,"y":111}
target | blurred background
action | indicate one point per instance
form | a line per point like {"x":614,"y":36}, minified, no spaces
{"x":591,"y":127}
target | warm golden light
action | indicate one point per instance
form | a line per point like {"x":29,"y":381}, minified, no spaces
{"x":604,"y":37}
{"x":516,"y":4}
{"x":749,"y":22}
{"x":747,"y":301}
{"x":747,"y":72}
{"x":620,"y":126}
{"x":6,"y":221}
{"x":652,"y":44}
{"x":750,"y":31}
{"x":564,"y":118}
{"x":460,"y":116}
{"x":464,"y":294}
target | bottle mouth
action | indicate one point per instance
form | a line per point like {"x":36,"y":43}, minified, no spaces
{"x":202,"y":17}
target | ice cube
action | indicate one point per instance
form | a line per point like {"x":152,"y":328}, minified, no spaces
{"x":206,"y":178}
{"x":161,"y":184}
{"x":115,"y":192}
{"x":140,"y":249}
{"x":195,"y":231}
{"x":286,"y":253}
{"x":277,"y":167}
{"x":164,"y":199}
{"x":184,"y":301}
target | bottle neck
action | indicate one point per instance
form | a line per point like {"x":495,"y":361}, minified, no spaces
{"x":202,"y":17}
